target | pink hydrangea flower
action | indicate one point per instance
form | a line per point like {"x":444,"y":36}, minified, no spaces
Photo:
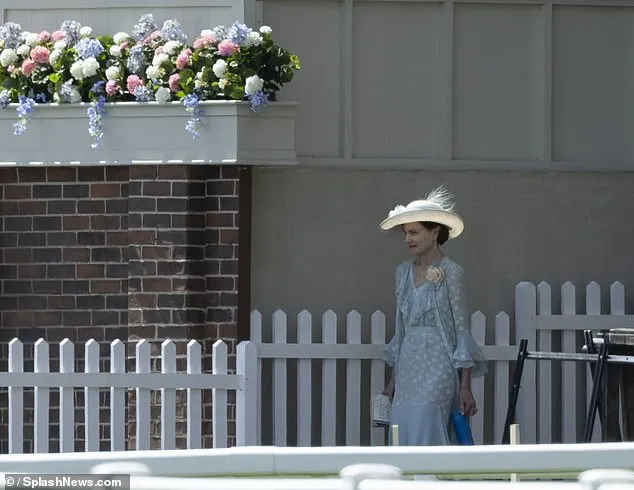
{"x":182,"y":60}
{"x":112,"y":87}
{"x":201,"y":42}
{"x":43,"y":36}
{"x":57,"y":36}
{"x":28,"y":67}
{"x":174,"y":82}
{"x":133,"y":83}
{"x":152,"y":37}
{"x":158,"y":50}
{"x":40,"y":55}
{"x":227,"y":48}
{"x":124,"y":45}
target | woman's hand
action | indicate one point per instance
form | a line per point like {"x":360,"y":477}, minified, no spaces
{"x":467,"y":402}
{"x":389,"y":390}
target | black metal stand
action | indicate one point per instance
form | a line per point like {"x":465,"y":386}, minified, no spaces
{"x":598,"y":372}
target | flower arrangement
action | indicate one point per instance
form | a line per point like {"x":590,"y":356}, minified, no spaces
{"x":149,"y":64}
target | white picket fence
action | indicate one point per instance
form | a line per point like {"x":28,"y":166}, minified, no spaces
{"x":337,"y":413}
{"x":118,"y":381}
{"x":315,"y":390}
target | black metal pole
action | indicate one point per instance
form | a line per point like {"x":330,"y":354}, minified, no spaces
{"x":592,"y":350}
{"x":514,"y":392}
{"x":596,"y":389}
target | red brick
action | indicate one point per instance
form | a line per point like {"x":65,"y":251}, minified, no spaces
{"x":229,"y":236}
{"x":76,"y":222}
{"x":105,"y":190}
{"x":17,"y":192}
{"x":90,"y":270}
{"x":61,"y":174}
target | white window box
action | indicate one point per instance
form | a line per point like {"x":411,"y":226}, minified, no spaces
{"x":138,"y":133}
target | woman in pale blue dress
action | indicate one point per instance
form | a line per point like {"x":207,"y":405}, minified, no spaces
{"x":432,"y":353}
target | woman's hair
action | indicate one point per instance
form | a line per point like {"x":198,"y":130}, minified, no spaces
{"x":443,"y":232}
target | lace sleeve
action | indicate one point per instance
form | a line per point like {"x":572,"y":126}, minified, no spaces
{"x":468,"y":353}
{"x":391,"y":351}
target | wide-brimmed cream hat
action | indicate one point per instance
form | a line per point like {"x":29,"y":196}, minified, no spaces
{"x":436,"y":207}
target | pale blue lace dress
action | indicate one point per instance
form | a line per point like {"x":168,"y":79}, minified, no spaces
{"x":431,"y":343}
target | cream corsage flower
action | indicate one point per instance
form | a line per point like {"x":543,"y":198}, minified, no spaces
{"x":435,"y":274}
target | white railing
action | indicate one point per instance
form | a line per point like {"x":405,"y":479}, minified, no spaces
{"x":473,"y":462}
{"x":310,"y":401}
{"x":117,"y":382}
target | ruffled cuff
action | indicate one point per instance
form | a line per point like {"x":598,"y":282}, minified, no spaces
{"x":469,"y":355}
{"x":390,"y":353}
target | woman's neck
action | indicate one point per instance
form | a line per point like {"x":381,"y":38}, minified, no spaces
{"x":425,"y":259}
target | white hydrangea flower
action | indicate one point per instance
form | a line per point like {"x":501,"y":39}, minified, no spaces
{"x":253,"y":39}
{"x":112,"y":72}
{"x":152,"y":72}
{"x":77,"y":69}
{"x":90,"y":67}
{"x":115,"y":51}
{"x":56,"y":98}
{"x":8,"y":57}
{"x":31,"y":39}
{"x":61,"y":44}
{"x":266,"y":30}
{"x":170,"y":47}
{"x":253,"y":84}
{"x":24,"y":50}
{"x":206,"y":32}
{"x":222,"y":83}
{"x":53,"y":57}
{"x":120,"y":37}
{"x":85,"y":31}
{"x":159,"y":59}
{"x":219,"y":68}
{"x":163,"y":95}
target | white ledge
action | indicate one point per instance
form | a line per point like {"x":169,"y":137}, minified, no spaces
{"x":151,"y":133}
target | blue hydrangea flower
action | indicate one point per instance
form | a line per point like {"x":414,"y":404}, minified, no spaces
{"x":71,"y":28}
{"x":258,"y":100}
{"x":219,"y":32}
{"x":98,"y":87}
{"x":143,"y":94}
{"x":5,"y":98}
{"x":66,"y":91}
{"x":41,"y":98}
{"x":89,"y":48}
{"x":172,"y":31}
{"x":193,"y":124}
{"x":25,"y":109}
{"x":136,"y":60}
{"x":11,"y":34}
{"x":96,"y":113}
{"x":238,"y":33}
{"x":144,"y":27}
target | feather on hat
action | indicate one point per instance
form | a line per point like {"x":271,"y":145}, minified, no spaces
{"x":437,"y":207}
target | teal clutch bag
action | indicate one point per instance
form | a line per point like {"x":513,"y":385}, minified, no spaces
{"x":462,"y":428}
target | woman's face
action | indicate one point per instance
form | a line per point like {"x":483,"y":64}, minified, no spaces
{"x":419,"y":239}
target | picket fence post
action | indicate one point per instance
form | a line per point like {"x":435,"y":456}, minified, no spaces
{"x":526,"y":328}
{"x":246,"y":395}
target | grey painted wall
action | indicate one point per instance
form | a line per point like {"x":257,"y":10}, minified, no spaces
{"x":316,"y":243}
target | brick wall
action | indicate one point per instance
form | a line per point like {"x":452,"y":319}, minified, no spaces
{"x":119,"y":252}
